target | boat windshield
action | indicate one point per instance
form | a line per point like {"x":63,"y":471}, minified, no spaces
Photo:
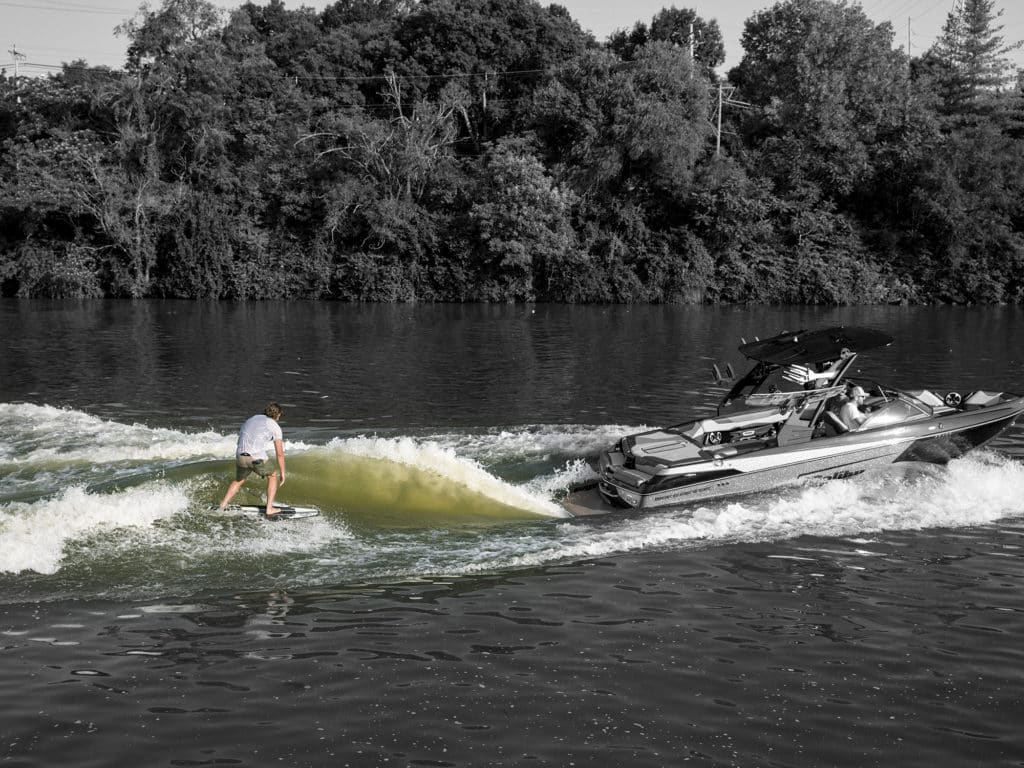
{"x":893,"y":412}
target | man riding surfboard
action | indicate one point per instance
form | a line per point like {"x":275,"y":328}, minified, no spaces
{"x":251,"y":455}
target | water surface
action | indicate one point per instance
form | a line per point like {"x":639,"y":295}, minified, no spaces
{"x":443,"y":610}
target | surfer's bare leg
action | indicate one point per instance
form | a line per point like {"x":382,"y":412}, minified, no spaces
{"x":232,"y":490}
{"x":271,"y":493}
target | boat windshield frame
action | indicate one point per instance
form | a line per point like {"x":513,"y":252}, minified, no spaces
{"x":751,"y":383}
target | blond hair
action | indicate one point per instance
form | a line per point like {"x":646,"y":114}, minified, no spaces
{"x":273,"y":410}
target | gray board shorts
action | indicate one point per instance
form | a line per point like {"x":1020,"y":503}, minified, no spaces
{"x":246,"y":465}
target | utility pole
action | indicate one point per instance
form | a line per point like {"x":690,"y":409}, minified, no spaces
{"x":725,"y":99}
{"x":13,"y":50}
{"x":718,"y":129}
{"x":906,"y":93}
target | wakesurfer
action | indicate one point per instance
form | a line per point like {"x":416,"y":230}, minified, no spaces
{"x":251,"y":457}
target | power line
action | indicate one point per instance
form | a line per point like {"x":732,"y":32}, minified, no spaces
{"x":511,"y":73}
{"x":69,"y":9}
{"x":87,"y":5}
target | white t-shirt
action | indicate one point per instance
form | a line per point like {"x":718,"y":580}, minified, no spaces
{"x":851,"y":415}
{"x":256,"y":434}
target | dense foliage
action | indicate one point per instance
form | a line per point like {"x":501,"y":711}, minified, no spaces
{"x":490,"y":150}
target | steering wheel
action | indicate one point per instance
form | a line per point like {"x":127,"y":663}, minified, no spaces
{"x":953,"y":399}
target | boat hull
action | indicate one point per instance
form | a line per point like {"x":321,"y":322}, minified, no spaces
{"x":935,"y":441}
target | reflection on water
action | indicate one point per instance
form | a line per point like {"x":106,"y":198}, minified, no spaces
{"x":407,"y":367}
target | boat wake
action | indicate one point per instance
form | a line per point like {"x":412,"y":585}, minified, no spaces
{"x":90,"y":508}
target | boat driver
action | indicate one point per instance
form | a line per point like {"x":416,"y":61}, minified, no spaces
{"x":850,"y":413}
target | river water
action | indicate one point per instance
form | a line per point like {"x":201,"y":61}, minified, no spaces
{"x":444,"y":611}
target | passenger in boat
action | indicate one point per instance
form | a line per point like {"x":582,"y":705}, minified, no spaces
{"x":850,"y":412}
{"x":818,"y":377}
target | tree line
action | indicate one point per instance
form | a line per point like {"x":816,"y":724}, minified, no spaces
{"x":491,"y":150}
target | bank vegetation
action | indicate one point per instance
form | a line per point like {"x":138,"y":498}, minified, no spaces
{"x":492,"y":150}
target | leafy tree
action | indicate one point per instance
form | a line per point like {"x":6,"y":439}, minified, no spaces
{"x":680,"y":28}
{"x":167,"y":31}
{"x":624,"y":43}
{"x":967,"y":214}
{"x":731,"y":213}
{"x":496,"y":51}
{"x":78,"y":180}
{"x":223,"y":123}
{"x":337,"y":54}
{"x":628,"y":140}
{"x":616,"y":130}
{"x":343,"y":12}
{"x":385,"y":184}
{"x":397,"y":155}
{"x":826,"y":84}
{"x":522,"y":227}
{"x":74,"y":176}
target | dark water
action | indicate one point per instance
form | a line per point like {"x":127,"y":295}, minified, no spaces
{"x":442,"y":611}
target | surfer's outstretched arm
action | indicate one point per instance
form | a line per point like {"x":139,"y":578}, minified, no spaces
{"x":279,"y":450}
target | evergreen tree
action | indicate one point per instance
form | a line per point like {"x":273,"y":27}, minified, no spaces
{"x":968,"y":63}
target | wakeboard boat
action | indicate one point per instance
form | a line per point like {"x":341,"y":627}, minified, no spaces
{"x":781,"y":423}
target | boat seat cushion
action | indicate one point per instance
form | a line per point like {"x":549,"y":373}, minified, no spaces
{"x":833,"y":421}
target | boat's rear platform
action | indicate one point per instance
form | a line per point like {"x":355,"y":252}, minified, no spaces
{"x":587,"y":502}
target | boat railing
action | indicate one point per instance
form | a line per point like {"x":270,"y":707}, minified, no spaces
{"x":793,"y":400}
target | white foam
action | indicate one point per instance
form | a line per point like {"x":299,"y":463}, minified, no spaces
{"x":249,"y":538}
{"x":33,"y":535}
{"x":573,"y":473}
{"x":976,"y":490}
{"x":40,"y":434}
{"x":980,"y":489}
{"x":535,"y":441}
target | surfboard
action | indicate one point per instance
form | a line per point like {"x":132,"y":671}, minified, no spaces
{"x":284,"y":511}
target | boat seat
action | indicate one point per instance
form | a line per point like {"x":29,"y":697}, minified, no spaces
{"x":981,"y":398}
{"x":743,"y":421}
{"x":832,"y":420}
{"x":927,"y":397}
{"x":736,"y":449}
